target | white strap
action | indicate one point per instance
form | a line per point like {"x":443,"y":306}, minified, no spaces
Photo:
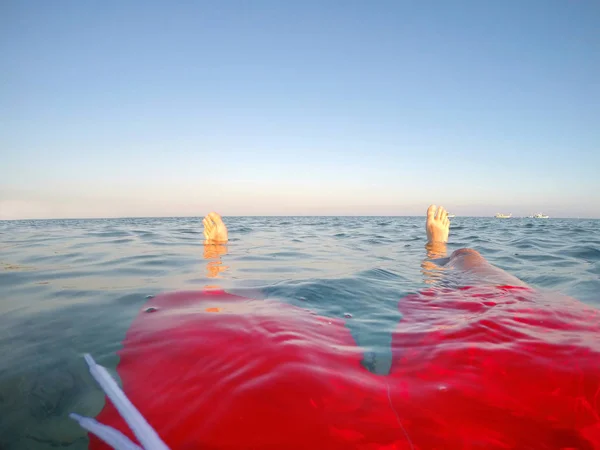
{"x":140,"y":427}
{"x":112,"y":437}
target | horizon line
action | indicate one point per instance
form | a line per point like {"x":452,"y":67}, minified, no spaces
{"x":277,"y":215}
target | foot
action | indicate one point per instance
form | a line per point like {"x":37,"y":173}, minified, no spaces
{"x":438,"y":224}
{"x":215,"y":231}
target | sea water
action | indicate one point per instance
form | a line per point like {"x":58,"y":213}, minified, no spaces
{"x":73,"y":286}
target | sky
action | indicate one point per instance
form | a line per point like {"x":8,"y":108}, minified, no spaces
{"x":148,"y":108}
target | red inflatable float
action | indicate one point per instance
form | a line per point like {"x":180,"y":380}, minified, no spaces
{"x":473,"y":368}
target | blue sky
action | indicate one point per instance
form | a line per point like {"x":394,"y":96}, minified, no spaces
{"x":144,"y":108}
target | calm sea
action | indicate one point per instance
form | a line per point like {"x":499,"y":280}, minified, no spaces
{"x":73,"y":286}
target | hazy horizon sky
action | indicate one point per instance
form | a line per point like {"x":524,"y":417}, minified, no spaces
{"x":125,"y":109}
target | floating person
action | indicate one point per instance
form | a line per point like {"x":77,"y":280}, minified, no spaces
{"x":492,"y":365}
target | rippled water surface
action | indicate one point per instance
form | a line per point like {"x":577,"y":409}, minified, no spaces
{"x":73,"y":286}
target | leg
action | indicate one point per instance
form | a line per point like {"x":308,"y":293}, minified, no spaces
{"x":467,"y":265}
{"x":469,"y":261}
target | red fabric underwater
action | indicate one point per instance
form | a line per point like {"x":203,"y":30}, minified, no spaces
{"x":211,"y":370}
{"x":472,"y":368}
{"x":501,"y":367}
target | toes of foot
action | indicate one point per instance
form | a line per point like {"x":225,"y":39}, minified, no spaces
{"x":440,"y":213}
{"x":431,"y":211}
{"x":208,"y":225}
{"x":214,"y":217}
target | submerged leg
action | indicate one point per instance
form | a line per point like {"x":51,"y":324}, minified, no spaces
{"x":470,"y":262}
{"x":464,"y":265}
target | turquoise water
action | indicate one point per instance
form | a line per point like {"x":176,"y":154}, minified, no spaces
{"x":73,"y":286}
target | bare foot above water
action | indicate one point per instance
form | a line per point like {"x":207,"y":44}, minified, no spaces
{"x":215,"y":231}
{"x":437,"y":225}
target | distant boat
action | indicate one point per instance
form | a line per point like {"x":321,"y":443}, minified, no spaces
{"x":503,"y":216}
{"x":539,"y":216}
{"x":451,"y":215}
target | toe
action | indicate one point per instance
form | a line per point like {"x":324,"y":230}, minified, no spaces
{"x":431,"y":212}
{"x":216,"y":218}
{"x":440,"y":213}
{"x":209,"y":226}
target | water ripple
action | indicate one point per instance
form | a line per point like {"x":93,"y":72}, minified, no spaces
{"x":73,"y":286}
